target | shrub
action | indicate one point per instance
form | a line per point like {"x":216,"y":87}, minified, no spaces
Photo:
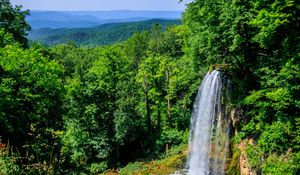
{"x":7,"y":161}
{"x":275,"y":138}
{"x":98,"y":167}
{"x":171,"y":137}
{"x":277,"y":165}
{"x":234,"y":167}
{"x":255,"y":156}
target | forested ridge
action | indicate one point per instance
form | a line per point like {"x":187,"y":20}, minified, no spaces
{"x":70,"y":109}
{"x":104,"y":34}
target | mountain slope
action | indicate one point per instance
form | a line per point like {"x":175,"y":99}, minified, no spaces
{"x":100,"y":35}
{"x":79,"y":19}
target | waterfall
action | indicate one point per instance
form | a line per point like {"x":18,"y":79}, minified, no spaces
{"x":209,"y":131}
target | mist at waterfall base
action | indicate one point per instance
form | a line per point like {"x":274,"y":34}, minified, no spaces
{"x":209,"y":130}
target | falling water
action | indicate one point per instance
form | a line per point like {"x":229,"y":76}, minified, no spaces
{"x":209,"y":129}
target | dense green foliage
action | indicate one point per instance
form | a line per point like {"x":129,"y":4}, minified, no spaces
{"x":12,"y":19}
{"x":260,"y":40}
{"x":99,"y":35}
{"x":121,"y":98}
{"x":70,"y":110}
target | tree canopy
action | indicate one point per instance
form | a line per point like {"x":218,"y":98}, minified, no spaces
{"x":12,"y":20}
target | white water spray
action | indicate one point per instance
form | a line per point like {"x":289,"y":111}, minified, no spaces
{"x":209,"y":130}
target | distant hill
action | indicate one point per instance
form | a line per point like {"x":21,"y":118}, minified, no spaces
{"x":99,"y":35}
{"x":78,"y":19}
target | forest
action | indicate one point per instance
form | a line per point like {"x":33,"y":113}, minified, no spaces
{"x":70,"y":109}
{"x":104,"y":34}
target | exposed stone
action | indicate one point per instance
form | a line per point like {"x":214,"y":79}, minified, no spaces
{"x":234,"y":115}
{"x":245,"y":168}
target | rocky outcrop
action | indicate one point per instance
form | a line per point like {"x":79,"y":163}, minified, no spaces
{"x":234,"y":115}
{"x":243,"y":162}
{"x":245,"y":168}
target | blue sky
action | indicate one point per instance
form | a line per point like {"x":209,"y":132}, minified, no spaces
{"x":101,"y":4}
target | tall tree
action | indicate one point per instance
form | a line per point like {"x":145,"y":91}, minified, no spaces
{"x":31,"y":97}
{"x":12,"y":19}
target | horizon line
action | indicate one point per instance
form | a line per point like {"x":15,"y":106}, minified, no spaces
{"x":106,"y":10}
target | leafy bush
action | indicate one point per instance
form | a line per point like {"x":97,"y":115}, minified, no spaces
{"x":98,"y":167}
{"x":171,"y":137}
{"x":5,"y":38}
{"x":277,"y":165}
{"x":238,"y":137}
{"x":255,"y":156}
{"x":275,"y":138}
{"x":7,"y":162}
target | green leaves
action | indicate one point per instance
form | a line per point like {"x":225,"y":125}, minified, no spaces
{"x":5,"y":38}
{"x":31,"y":93}
{"x":270,"y":17}
{"x":12,"y":20}
{"x":277,"y":165}
{"x":275,"y":137}
{"x":260,"y":40}
{"x":8,"y":161}
{"x":281,"y":98}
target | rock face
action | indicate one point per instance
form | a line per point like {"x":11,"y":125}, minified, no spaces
{"x":245,"y":168}
{"x":234,"y":115}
